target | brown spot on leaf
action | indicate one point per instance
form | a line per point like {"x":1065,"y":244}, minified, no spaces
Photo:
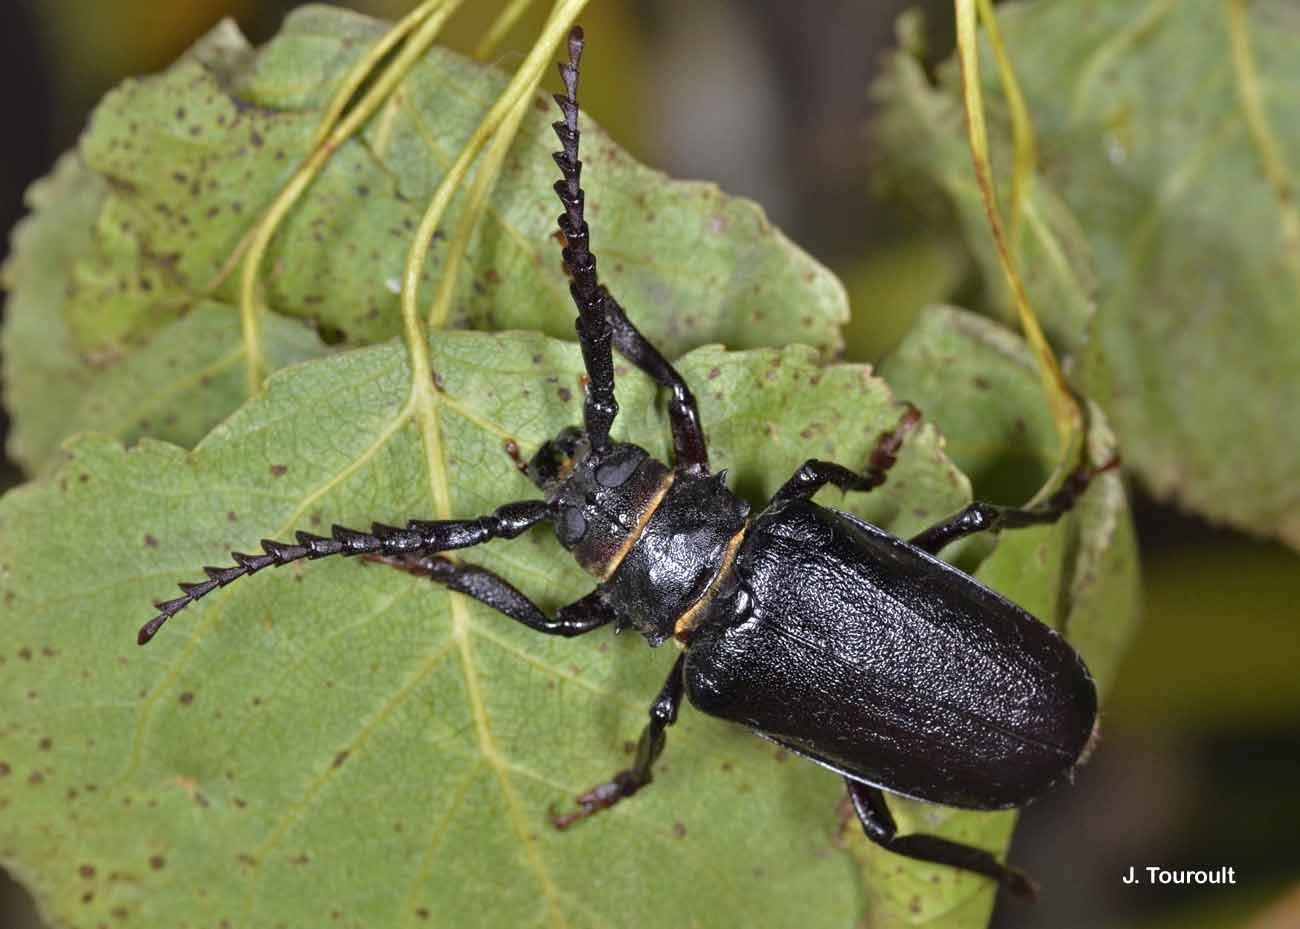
{"x":340,"y":758}
{"x":279,"y":470}
{"x":156,"y":862}
{"x":186,"y":698}
{"x":150,"y":541}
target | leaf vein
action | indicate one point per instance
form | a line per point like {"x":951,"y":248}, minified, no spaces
{"x":209,"y":618}
{"x":297,"y":810}
{"x":436,"y":835}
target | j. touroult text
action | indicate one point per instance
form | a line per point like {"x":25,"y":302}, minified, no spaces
{"x":1155,"y":875}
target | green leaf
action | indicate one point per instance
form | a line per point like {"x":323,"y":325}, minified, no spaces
{"x":188,"y":377}
{"x":176,"y":169}
{"x":927,"y":160}
{"x":339,"y":743}
{"x":1164,"y":197}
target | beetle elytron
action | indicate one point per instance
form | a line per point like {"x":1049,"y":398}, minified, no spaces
{"x":860,"y":651}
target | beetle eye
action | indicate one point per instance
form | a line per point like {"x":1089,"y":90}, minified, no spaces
{"x":615,"y":470}
{"x":570,"y":527}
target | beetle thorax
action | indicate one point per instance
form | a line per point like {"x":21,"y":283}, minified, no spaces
{"x":683,"y":552}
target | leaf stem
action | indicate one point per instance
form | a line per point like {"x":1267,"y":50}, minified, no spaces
{"x":502,"y":120}
{"x":1251,"y":96}
{"x":1024,"y":145}
{"x":419,"y":28}
{"x":357,"y":75}
{"x":1065,"y":408}
{"x":504,"y":22}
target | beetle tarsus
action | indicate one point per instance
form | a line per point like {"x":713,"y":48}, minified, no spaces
{"x":663,"y":713}
{"x":600,"y":797}
{"x":988,"y":517}
{"x":815,"y":474}
{"x":885,"y":455}
{"x":1020,"y":884}
{"x":878,"y":825}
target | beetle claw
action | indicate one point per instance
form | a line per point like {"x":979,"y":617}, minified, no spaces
{"x":1020,"y":884}
{"x":600,"y":797}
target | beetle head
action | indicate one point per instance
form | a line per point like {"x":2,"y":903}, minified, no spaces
{"x":600,"y":497}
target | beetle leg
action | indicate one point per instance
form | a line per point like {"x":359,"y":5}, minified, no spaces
{"x":988,"y":517}
{"x":690,"y":451}
{"x":879,"y":826}
{"x":814,"y":474}
{"x":663,"y":713}
{"x":579,"y":617}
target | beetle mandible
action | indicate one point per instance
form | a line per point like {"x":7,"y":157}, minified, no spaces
{"x":858,"y":650}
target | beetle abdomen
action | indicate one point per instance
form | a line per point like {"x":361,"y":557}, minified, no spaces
{"x":882,"y":662}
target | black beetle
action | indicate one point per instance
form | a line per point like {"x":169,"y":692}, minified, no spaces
{"x":860,"y":651}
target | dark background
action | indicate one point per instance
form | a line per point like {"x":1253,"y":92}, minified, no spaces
{"x":1200,"y":762}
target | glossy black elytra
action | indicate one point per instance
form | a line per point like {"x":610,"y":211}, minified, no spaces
{"x":860,"y":651}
